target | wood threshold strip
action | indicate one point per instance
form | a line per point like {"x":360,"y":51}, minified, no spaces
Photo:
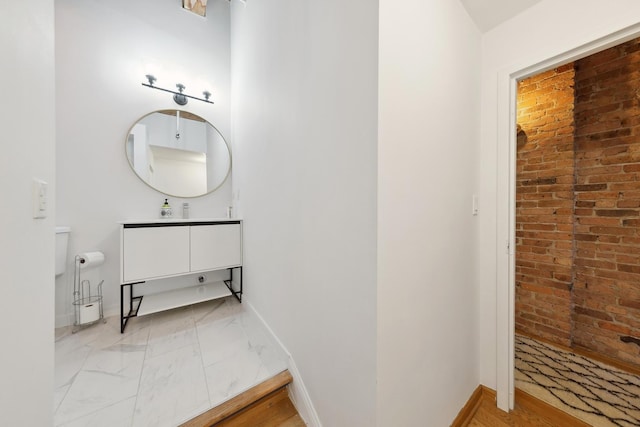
{"x":273,"y":410}
{"x":241,"y":401}
{"x":525,"y":404}
{"x":552,"y":413}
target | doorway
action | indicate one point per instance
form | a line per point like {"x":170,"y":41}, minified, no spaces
{"x":577,"y":233}
{"x":505,"y":145}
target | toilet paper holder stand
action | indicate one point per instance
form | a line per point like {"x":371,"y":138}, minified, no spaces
{"x":87,"y":304}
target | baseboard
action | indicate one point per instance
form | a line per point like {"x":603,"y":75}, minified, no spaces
{"x":523,"y":400}
{"x":471,"y":407}
{"x":63,"y":320}
{"x":297,"y":390}
{"x":300,"y":397}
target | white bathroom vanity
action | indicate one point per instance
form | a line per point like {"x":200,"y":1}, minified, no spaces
{"x":159,"y":249}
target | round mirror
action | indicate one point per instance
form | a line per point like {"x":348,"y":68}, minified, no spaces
{"x":178,"y":153}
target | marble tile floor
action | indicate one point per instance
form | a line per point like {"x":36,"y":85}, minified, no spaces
{"x":165,"y":369}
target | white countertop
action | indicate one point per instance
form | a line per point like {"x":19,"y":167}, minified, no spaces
{"x":177,"y":220}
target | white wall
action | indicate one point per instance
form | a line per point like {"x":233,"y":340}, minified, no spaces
{"x":103,"y":49}
{"x":427,"y":159}
{"x":26,"y":258}
{"x":304,"y":130}
{"x":548,"y":29}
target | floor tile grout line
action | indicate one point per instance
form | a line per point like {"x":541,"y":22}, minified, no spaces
{"x":139,"y":334}
{"x":93,"y":349}
{"x":144,"y":361}
{"x":206,"y":380}
{"x":95,"y":411}
{"x":75,"y":376}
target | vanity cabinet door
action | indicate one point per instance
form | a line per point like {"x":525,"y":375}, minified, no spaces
{"x":215,"y":246}
{"x":151,"y":252}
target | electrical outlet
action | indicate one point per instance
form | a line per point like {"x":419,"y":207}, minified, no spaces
{"x":40,"y":198}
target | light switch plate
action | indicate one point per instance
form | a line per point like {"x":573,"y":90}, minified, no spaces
{"x":40,"y":198}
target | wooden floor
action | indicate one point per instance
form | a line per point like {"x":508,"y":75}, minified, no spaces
{"x":528,"y":412}
{"x":265,"y":405}
{"x":275,"y":410}
{"x":268,"y":405}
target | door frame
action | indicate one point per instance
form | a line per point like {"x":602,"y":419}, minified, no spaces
{"x":506,"y":213}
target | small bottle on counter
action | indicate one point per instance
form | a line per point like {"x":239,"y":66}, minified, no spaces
{"x":165,"y":210}
{"x":185,"y":210}
{"x":229,"y":211}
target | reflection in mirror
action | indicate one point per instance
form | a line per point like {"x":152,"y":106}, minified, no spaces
{"x":178,"y":153}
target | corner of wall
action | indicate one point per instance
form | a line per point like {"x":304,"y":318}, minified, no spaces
{"x":297,"y":390}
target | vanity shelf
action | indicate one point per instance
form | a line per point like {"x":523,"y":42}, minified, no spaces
{"x":162,"y":301}
{"x":171,"y":248}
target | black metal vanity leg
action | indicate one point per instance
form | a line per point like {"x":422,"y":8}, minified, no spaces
{"x":235,"y":294}
{"x":121,"y":309}
{"x":229,"y":283}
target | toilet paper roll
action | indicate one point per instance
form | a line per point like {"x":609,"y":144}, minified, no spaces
{"x":91,"y":259}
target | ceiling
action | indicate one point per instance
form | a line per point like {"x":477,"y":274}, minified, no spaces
{"x":491,"y":13}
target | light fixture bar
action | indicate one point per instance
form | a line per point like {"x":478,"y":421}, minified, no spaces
{"x":179,"y":96}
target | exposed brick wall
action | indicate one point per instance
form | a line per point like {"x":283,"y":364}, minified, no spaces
{"x":607,"y":201}
{"x":578,"y":203}
{"x":544,"y":205}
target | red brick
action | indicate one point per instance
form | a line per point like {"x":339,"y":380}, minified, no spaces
{"x":630,"y":303}
{"x":629,"y":268}
{"x":590,"y":187}
{"x":616,"y":212}
{"x":578,"y":202}
{"x":616,"y":231}
{"x":625,"y":330}
{"x":628,"y":203}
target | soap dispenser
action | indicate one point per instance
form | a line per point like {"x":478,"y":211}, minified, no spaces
{"x":165,"y":211}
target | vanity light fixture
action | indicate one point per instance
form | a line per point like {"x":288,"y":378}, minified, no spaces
{"x":179,"y":96}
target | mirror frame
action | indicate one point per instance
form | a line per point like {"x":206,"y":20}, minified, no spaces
{"x":226,"y":177}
